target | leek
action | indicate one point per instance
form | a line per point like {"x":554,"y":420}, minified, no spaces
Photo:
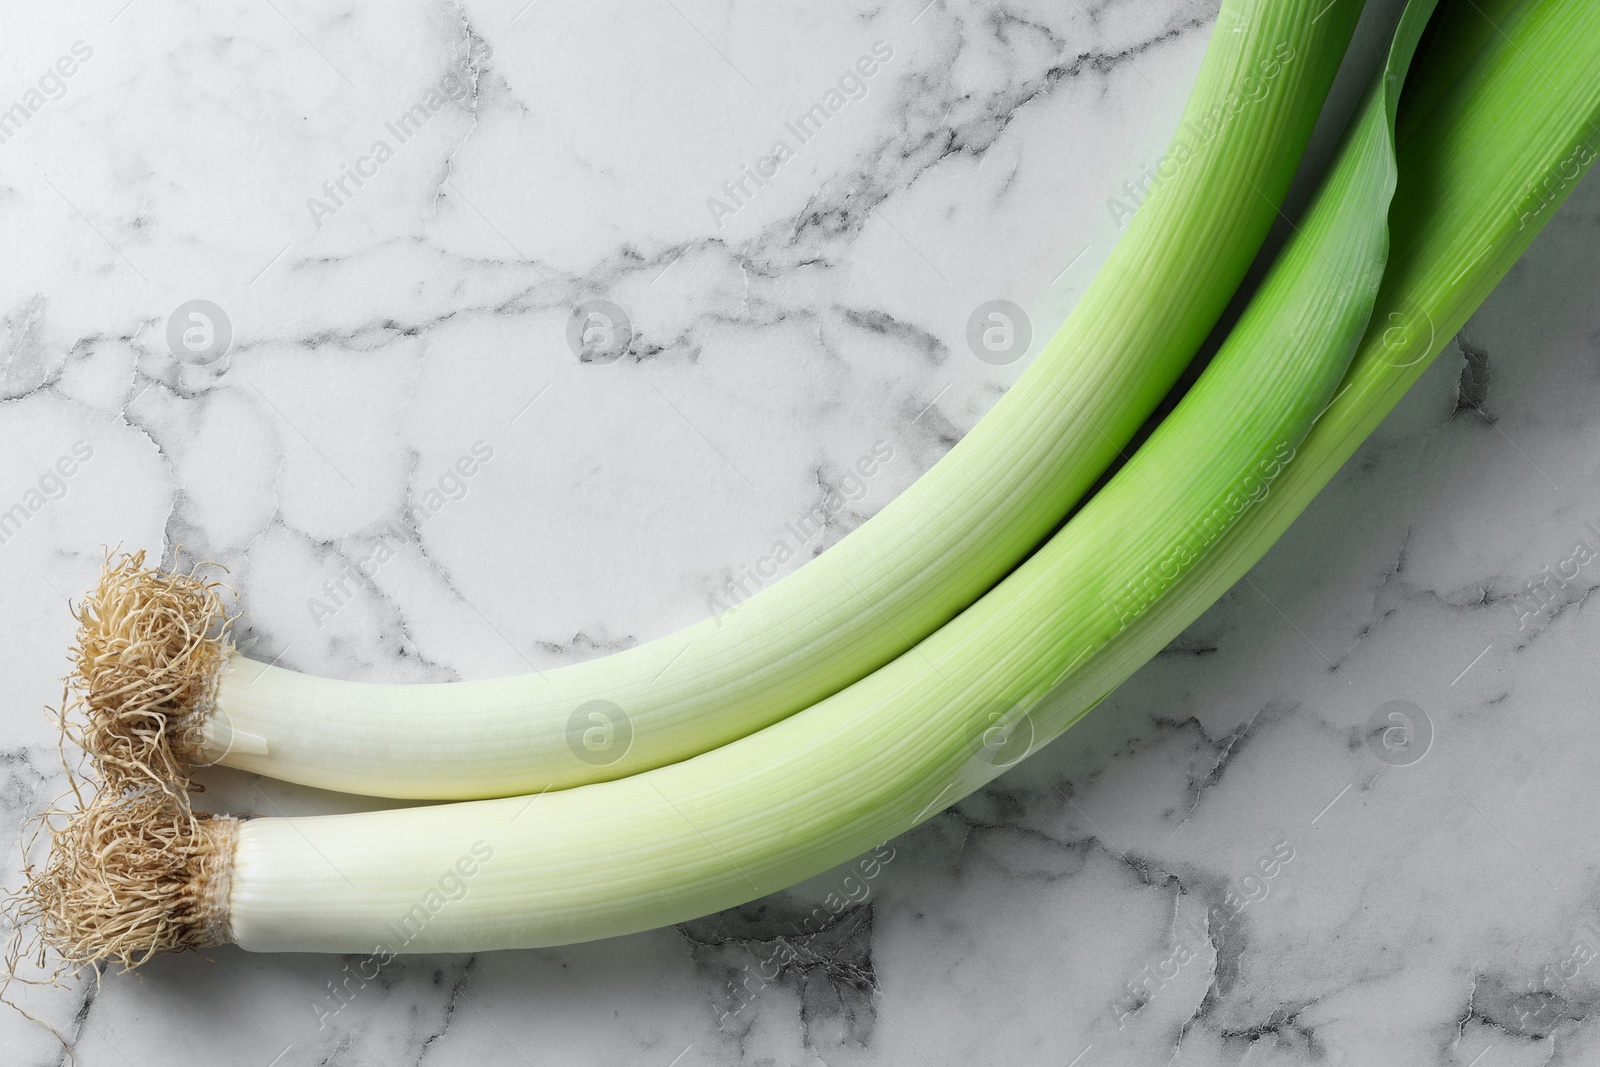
{"x":1472,"y":184}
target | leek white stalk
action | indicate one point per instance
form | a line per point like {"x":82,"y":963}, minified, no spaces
{"x":824,"y":785}
{"x":163,"y":690}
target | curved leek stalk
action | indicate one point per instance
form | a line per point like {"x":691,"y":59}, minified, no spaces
{"x":163,"y":690}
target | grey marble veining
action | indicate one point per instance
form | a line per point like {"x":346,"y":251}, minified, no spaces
{"x":1213,"y":868}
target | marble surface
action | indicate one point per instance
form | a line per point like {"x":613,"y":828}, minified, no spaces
{"x":1211,"y":869}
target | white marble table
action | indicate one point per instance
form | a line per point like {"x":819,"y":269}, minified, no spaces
{"x":365,"y":337}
